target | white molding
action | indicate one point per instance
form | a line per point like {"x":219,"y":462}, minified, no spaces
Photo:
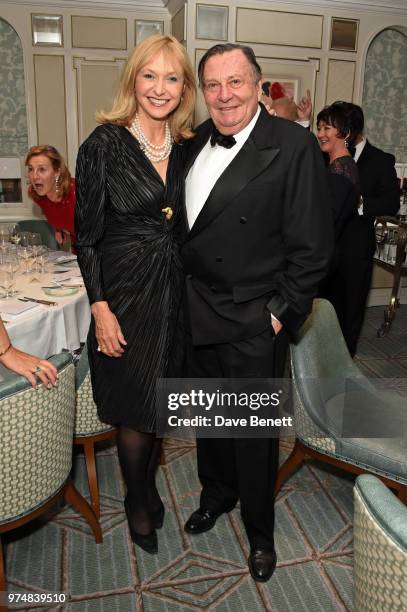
{"x":394,"y":7}
{"x":139,"y":6}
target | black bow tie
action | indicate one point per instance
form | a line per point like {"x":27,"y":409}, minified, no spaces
{"x":222,"y":140}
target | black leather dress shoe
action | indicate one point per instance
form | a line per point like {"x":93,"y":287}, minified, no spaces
{"x":262,"y":564}
{"x":201,"y":520}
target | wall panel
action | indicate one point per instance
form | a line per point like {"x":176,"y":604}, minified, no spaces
{"x":279,"y":28}
{"x":96,"y":83}
{"x":340,"y":81}
{"x":49,"y":72}
{"x":178,"y":25}
{"x":99,"y":32}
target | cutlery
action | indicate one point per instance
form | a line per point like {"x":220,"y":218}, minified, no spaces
{"x":44,"y":302}
{"x":64,"y":286}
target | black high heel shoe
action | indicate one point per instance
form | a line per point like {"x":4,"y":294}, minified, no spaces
{"x":158,"y":517}
{"x":147,"y":542}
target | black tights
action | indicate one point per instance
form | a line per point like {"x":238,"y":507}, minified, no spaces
{"x":139,"y":455}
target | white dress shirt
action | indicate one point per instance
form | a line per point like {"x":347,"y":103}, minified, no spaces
{"x":208,"y":167}
{"x":206,"y":170}
{"x":359,"y":148}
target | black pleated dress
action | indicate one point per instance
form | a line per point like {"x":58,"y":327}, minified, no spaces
{"x":128,"y":253}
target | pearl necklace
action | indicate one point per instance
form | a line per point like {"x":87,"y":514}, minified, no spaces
{"x":155,"y":153}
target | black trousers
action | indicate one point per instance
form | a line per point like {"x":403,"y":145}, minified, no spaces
{"x":347,"y":289}
{"x":240,"y":468}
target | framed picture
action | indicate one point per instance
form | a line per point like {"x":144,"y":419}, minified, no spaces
{"x":344,"y":34}
{"x":281,"y":87}
{"x":145,"y":28}
{"x":47,"y":30}
{"x":212,"y":22}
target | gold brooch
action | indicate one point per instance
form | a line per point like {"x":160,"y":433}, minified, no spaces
{"x":168,"y":212}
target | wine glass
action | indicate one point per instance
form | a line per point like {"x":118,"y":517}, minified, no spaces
{"x":25,"y":238}
{"x":12,"y":261}
{"x":4,"y":240}
{"x":26,"y":256}
{"x":36,"y":247}
{"x":7,"y":280}
{"x":4,"y":233}
{"x":14,"y":230}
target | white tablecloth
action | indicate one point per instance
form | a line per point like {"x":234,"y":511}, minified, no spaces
{"x":47,"y":330}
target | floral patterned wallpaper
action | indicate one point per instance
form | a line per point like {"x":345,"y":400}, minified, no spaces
{"x":384,"y":93}
{"x":13,"y":116}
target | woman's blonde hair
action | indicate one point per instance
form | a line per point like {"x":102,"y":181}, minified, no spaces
{"x":58,"y":164}
{"x":125,"y":105}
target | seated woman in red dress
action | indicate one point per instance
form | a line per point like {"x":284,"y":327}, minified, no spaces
{"x":53,"y":189}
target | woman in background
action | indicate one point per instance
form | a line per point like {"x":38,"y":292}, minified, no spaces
{"x":128,"y":226}
{"x":336,"y":141}
{"x":53,"y":189}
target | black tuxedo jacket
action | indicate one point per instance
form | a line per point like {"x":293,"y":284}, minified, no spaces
{"x":263,"y":240}
{"x":380,"y":190}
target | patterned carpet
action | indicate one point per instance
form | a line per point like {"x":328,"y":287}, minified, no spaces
{"x":206,"y":572}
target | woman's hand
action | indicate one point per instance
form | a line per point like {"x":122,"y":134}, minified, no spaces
{"x":30,"y":366}
{"x":108,"y":333}
{"x":59,"y":237}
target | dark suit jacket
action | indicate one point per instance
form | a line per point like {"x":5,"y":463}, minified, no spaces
{"x":380,"y":190}
{"x":263,"y":240}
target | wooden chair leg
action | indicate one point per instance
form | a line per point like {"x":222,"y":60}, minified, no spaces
{"x":162,"y":457}
{"x":73,"y":497}
{"x":403,"y":495}
{"x":2,"y":569}
{"x":90,"y":461}
{"x":290,"y":465}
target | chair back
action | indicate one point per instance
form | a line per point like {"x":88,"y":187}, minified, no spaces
{"x":87,"y":422}
{"x":36,"y":429}
{"x":322,"y":367}
{"x":380,"y":547}
{"x":41,"y":227}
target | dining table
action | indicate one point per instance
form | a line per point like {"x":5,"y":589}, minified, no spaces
{"x":48,"y":324}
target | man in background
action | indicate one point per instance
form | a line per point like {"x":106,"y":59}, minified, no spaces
{"x":380,"y":190}
{"x":285,"y":107}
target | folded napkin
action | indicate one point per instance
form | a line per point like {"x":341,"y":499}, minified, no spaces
{"x":14,"y":308}
{"x":62,"y":277}
{"x":65,"y":258}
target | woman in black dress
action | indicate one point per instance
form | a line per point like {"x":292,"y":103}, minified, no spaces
{"x":336,"y":141}
{"x":128,"y":218}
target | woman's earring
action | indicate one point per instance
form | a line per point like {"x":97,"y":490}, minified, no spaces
{"x":346,"y":143}
{"x":57,"y":184}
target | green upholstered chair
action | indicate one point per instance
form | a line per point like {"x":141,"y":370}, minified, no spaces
{"x":334,"y":404}
{"x":36,"y":431}
{"x":380,"y":548}
{"x":41,"y":227}
{"x":89,"y":429}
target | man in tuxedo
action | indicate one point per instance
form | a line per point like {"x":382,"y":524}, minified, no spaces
{"x":379,"y":187}
{"x":259,"y":242}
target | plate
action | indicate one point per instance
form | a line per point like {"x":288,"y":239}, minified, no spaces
{"x":61,"y":291}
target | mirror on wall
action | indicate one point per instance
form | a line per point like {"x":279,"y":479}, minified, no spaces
{"x":13,"y":114}
{"x":47,"y":30}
